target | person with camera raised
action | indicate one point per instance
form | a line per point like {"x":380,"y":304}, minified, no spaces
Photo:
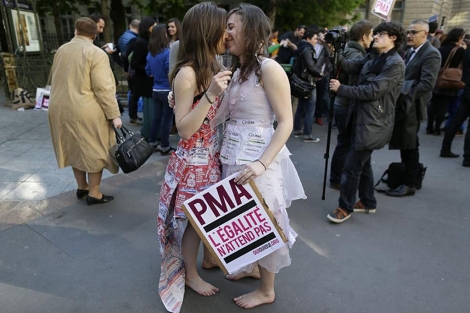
{"x":422,"y":65}
{"x":360,"y":37}
{"x":371,"y":116}
{"x":305,"y":68}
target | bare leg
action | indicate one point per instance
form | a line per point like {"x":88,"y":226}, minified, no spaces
{"x":208,"y":260}
{"x":263,"y":295}
{"x":94,"y":181}
{"x":242,"y":274}
{"x":190,"y":246}
{"x":80,"y":177}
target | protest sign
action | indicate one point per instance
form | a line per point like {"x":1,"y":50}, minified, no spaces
{"x":234,"y":223}
{"x":383,"y":8}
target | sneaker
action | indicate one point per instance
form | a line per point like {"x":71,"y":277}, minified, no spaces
{"x":360,"y":208}
{"x":339,"y":215}
{"x":311,"y":139}
{"x":459,"y":133}
{"x":298,"y":133}
{"x":319,"y":121}
{"x":135,"y":122}
{"x":167,"y":151}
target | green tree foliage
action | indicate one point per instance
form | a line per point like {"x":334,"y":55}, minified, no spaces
{"x":326,"y":13}
{"x":57,"y":8}
{"x":165,"y":9}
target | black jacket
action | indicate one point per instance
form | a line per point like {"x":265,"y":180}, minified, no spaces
{"x":141,"y":83}
{"x":353,"y":50}
{"x":420,"y":78}
{"x":305,"y":64}
{"x":372,"y":111}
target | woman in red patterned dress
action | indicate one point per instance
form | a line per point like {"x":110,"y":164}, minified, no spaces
{"x":197,"y":83}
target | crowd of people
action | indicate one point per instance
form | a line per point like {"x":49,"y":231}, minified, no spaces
{"x":385,"y":89}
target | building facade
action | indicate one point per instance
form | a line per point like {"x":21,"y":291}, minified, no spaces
{"x":450,"y":13}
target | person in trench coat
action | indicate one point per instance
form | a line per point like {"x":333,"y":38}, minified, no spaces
{"x":83,"y":110}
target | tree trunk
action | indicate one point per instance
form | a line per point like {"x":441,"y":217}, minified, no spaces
{"x":105,"y":14}
{"x":118,"y":16}
{"x":58,"y":24}
{"x":271,"y":11}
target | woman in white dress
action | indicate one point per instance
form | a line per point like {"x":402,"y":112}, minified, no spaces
{"x":258,"y":93}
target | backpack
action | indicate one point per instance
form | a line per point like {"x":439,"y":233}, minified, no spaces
{"x":396,"y":177}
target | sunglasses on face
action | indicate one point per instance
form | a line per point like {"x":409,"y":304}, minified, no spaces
{"x":413,"y":32}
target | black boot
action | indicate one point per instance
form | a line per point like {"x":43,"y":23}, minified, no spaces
{"x":446,"y":153}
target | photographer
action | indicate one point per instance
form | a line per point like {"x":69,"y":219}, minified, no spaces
{"x":305,"y":68}
{"x":360,"y":40}
{"x":371,"y":116}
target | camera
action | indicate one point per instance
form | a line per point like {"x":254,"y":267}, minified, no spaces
{"x":336,"y":37}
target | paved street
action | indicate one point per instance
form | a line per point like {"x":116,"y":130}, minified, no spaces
{"x":59,"y":255}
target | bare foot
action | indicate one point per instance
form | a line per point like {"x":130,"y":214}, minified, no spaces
{"x":255,"y":298}
{"x":209,"y":263}
{"x":242,"y":274}
{"x":201,"y":287}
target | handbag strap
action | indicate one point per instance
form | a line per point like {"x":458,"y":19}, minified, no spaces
{"x":449,"y":58}
{"x":120,"y":138}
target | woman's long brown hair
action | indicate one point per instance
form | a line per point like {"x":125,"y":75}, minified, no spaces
{"x":203,"y":28}
{"x":256,"y":31}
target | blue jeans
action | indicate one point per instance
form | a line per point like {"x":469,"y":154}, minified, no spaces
{"x":162,"y":119}
{"x":356,"y":176}
{"x":452,"y":109}
{"x":343,"y":144}
{"x":305,"y":109}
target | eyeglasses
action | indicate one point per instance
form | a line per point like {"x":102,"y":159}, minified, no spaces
{"x":414,"y":32}
{"x":380,"y":34}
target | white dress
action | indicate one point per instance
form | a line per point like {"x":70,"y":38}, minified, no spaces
{"x":247,"y":134}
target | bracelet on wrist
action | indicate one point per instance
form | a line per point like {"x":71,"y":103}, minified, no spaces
{"x":258,"y":160}
{"x":207,"y":97}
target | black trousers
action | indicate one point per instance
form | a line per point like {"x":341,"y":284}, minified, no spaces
{"x":462,"y":114}
{"x":410,"y":157}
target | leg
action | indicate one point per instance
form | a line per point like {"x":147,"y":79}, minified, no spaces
{"x":263,"y":295}
{"x":342,"y":146}
{"x":366,"y":185}
{"x":80,"y":177}
{"x":133,"y":106}
{"x":156,"y":120}
{"x":309,"y":109}
{"x":190,"y":246}
{"x":322,"y":86}
{"x":167,"y":119}
{"x":299,"y":112}
{"x":441,"y":109}
{"x":432,"y":113}
{"x":94,"y":180}
{"x":350,"y":176}
{"x":460,"y":117}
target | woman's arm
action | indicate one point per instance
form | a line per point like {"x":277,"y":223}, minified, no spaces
{"x":188,"y":120}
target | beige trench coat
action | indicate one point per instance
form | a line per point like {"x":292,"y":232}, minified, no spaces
{"x":82,"y":106}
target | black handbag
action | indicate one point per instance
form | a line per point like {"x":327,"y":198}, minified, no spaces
{"x":132,"y":150}
{"x":396,"y":176}
{"x":299,"y":87}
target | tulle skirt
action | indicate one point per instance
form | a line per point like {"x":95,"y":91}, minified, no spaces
{"x":279,"y":186}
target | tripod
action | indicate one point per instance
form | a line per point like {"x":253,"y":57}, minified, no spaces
{"x":334,"y":74}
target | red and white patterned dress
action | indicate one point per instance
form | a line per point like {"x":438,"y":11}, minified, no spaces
{"x":194,"y":167}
